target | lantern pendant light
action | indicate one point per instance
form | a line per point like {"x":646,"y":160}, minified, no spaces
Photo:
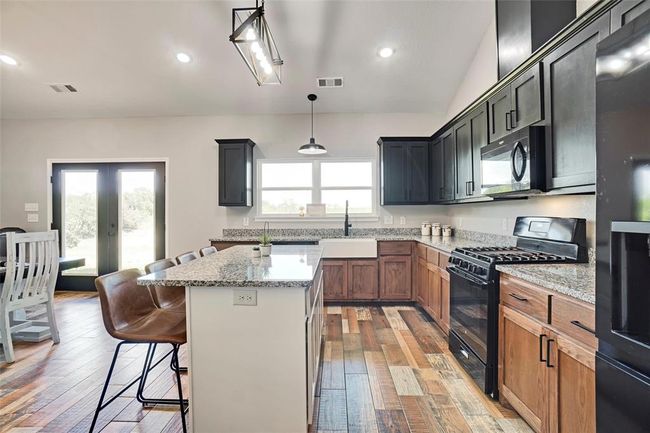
{"x":312,"y":148}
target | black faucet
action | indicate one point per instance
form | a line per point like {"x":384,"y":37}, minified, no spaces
{"x":346,"y":223}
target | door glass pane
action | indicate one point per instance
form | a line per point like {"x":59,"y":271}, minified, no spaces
{"x":79,"y":239}
{"x":137,"y":241}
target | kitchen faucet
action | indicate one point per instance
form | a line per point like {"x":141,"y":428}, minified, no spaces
{"x":346,"y":223}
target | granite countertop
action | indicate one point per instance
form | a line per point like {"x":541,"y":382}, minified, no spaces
{"x":288,"y":266}
{"x":574,"y":280}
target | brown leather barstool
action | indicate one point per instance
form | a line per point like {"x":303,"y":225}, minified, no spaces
{"x":207,"y":251}
{"x":186,"y":257}
{"x":130,"y":315}
{"x":166,"y":297}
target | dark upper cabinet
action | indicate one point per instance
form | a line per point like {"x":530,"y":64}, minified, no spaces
{"x":404,"y":170}
{"x":448,"y":166}
{"x":517,"y":105}
{"x":470,"y":134}
{"x":437,"y":164}
{"x":626,"y":11}
{"x":570,"y":104}
{"x":235,"y":172}
{"x":525,"y":25}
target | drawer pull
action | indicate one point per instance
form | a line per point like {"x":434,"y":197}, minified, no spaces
{"x":517,"y":297}
{"x":464,"y":353}
{"x":584,"y":327}
{"x":541,"y":347}
{"x":548,"y":353}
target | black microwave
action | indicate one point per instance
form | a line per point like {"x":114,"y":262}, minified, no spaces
{"x":514,"y":165}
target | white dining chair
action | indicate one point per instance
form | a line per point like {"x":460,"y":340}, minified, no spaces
{"x":31,"y":271}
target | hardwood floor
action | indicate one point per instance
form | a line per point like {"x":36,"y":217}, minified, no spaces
{"x":384,"y":370}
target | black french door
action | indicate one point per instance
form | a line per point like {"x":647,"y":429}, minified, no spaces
{"x":111,"y":214}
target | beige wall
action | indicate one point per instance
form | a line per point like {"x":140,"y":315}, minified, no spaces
{"x":188,"y":142}
{"x":490,"y":217}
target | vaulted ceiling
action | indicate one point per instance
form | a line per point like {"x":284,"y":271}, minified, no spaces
{"x":121,"y":56}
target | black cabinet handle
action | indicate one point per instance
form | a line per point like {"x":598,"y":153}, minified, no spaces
{"x":584,"y":327}
{"x":541,"y":347}
{"x":508,"y":128}
{"x":471,"y":187}
{"x":514,"y":119}
{"x":519,"y":298}
{"x":442,"y":193}
{"x":548,"y":353}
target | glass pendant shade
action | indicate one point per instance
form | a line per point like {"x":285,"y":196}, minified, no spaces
{"x":312,"y":148}
{"x":255,"y":44}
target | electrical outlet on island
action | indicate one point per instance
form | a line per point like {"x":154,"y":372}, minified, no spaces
{"x":245,"y":297}
{"x":402,"y":220}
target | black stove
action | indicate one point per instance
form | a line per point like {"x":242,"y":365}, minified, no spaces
{"x":475,"y":286}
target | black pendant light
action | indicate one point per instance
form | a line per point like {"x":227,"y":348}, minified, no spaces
{"x":312,"y":148}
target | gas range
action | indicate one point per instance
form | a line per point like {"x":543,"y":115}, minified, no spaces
{"x":474,"y":287}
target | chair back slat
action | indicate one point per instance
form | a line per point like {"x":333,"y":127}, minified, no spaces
{"x":31,"y":273}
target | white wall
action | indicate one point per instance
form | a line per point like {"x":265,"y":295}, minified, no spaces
{"x":490,"y":217}
{"x":188,"y":142}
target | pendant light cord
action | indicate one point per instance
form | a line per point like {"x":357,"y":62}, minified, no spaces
{"x":312,"y":119}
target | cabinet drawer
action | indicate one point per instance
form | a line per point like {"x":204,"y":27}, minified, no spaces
{"x":524,"y":298}
{"x":421,"y":250}
{"x":575,"y":319}
{"x":432,"y":256}
{"x":391,"y":248}
{"x":443,"y":259}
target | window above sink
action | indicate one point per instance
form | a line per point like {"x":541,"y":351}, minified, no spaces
{"x":286,"y":186}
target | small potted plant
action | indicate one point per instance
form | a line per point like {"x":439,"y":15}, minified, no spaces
{"x":265,"y":242}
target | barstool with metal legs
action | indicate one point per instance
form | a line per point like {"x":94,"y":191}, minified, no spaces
{"x":130,"y":315}
{"x":167,"y":298}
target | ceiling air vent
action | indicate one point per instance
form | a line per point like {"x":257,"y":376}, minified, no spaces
{"x":330,"y":82}
{"x":63,"y":88}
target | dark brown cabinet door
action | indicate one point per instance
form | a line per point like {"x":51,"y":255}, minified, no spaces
{"x":570,"y":103}
{"x":437,"y":164}
{"x":526,"y":98}
{"x":363,"y":279}
{"x":478,"y":123}
{"x":448,"y":166}
{"x":464,"y":158}
{"x":626,"y":11}
{"x":499,"y":106}
{"x":395,"y":277}
{"x":335,"y":279}
{"x":393,"y":179}
{"x":235,"y":172}
{"x":417,"y":172}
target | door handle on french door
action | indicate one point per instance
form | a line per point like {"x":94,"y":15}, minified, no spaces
{"x":541,"y":348}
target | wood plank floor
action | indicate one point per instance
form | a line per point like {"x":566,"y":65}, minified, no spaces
{"x":384,"y":370}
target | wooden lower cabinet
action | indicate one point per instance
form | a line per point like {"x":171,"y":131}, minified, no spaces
{"x":421,"y":286}
{"x":522,"y":373}
{"x":444,"y":322}
{"x":362,"y":279}
{"x":546,"y":376}
{"x":434,"y":304}
{"x":335,"y":279}
{"x":395,"y":277}
{"x":572,"y":387}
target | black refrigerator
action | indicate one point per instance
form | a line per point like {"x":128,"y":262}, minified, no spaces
{"x":623,"y":230}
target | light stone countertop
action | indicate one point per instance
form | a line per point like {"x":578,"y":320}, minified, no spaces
{"x":574,"y":280}
{"x":288,"y":266}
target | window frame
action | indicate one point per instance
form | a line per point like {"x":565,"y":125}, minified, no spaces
{"x":316,"y":189}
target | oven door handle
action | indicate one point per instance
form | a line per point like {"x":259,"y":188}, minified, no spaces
{"x":459,"y":273}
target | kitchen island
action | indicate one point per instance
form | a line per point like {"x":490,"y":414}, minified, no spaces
{"x":254,"y":335}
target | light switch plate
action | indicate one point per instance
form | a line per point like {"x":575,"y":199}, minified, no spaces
{"x":31,"y":207}
{"x":388,"y":219}
{"x":402,"y":220}
{"x":244,"y":297}
{"x":32,"y":217}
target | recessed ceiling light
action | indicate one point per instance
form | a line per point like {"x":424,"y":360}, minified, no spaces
{"x":183,"y":58}
{"x":386,"y":52}
{"x":8,"y":60}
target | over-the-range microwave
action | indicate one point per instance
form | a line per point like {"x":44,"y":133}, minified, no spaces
{"x":514,"y":165}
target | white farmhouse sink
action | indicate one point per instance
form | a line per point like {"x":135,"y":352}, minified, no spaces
{"x":348,"y":248}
